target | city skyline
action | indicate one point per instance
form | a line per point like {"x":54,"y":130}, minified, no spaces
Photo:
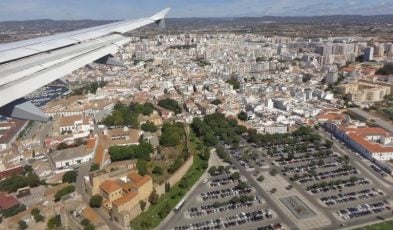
{"x":126,"y":9}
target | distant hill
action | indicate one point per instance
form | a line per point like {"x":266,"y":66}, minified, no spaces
{"x":331,"y":19}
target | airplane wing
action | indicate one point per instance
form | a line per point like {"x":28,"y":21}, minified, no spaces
{"x":31,"y":64}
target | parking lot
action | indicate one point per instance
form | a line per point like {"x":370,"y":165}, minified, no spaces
{"x":225,"y":199}
{"x":327,"y":178}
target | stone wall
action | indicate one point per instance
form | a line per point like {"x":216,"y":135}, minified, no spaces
{"x":176,"y":177}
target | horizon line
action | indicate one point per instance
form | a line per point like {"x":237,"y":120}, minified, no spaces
{"x":212,"y":17}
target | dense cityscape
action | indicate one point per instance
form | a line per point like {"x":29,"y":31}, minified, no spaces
{"x":241,"y":125}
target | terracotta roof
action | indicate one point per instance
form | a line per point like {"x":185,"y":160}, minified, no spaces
{"x":7,"y":202}
{"x":138,"y":179}
{"x":99,"y":154}
{"x":90,"y":214}
{"x":90,"y":143}
{"x":330,"y":116}
{"x":110,"y":186}
{"x":371,"y":147}
{"x":124,"y":199}
{"x":16,"y":125}
{"x":134,"y":176}
{"x":367,"y":131}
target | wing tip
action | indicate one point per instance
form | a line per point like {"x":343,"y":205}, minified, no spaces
{"x":160,"y":15}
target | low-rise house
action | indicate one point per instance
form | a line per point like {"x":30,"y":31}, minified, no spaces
{"x":123,"y":136}
{"x":75,"y":124}
{"x":71,"y":157}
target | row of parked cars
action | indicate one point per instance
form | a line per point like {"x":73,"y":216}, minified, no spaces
{"x":222,"y":193}
{"x":351,"y":196}
{"x":219,"y":223}
{"x":364,"y":210}
{"x":306,"y":168}
{"x":221,"y":182}
{"x":245,"y":217}
{"x":360,"y":181}
{"x":276,"y":226}
{"x":210,"y":209}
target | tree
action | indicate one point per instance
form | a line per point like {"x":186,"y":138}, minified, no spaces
{"x":85,"y":222}
{"x":296,"y":177}
{"x":157,"y":170}
{"x":153,"y":197}
{"x":328,"y":143}
{"x":234,"y":82}
{"x":183,"y":183}
{"x":35,"y":212}
{"x":149,"y":127}
{"x":64,"y":191}
{"x":216,"y":102}
{"x":260,"y":178}
{"x":54,"y":222}
{"x":242,"y":185}
{"x":212,"y":170}
{"x":234,"y":200}
{"x":28,"y":168}
{"x":353,"y":179}
{"x":242,"y":116}
{"x":142,"y":204}
{"x":141,"y":165}
{"x":70,"y":177}
{"x":141,"y":151}
{"x":170,"y":104}
{"x":62,"y":146}
{"x":273,"y":172}
{"x":167,"y":187}
{"x":94,"y":167}
{"x":95,"y":201}
{"x":13,"y":183}
{"x":39,"y":218}
{"x":235,"y":176}
{"x":22,"y":225}
{"x":14,"y":210}
{"x":87,"y":225}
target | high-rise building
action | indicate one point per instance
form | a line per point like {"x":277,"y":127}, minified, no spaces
{"x":368,"y":54}
{"x":324,"y":50}
{"x":389,"y":48}
{"x":379,"y":50}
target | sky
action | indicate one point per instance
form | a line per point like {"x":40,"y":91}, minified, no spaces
{"x":129,"y":9}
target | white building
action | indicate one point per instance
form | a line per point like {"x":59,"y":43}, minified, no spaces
{"x":71,"y":157}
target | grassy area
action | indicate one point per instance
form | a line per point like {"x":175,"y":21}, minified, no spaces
{"x":156,"y":213}
{"x":388,"y":225}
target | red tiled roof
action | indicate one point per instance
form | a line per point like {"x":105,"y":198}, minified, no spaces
{"x":371,"y":147}
{"x":367,"y":131}
{"x":330,"y":116}
{"x":7,"y":202}
{"x":110,"y":186}
{"x":124,"y":199}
